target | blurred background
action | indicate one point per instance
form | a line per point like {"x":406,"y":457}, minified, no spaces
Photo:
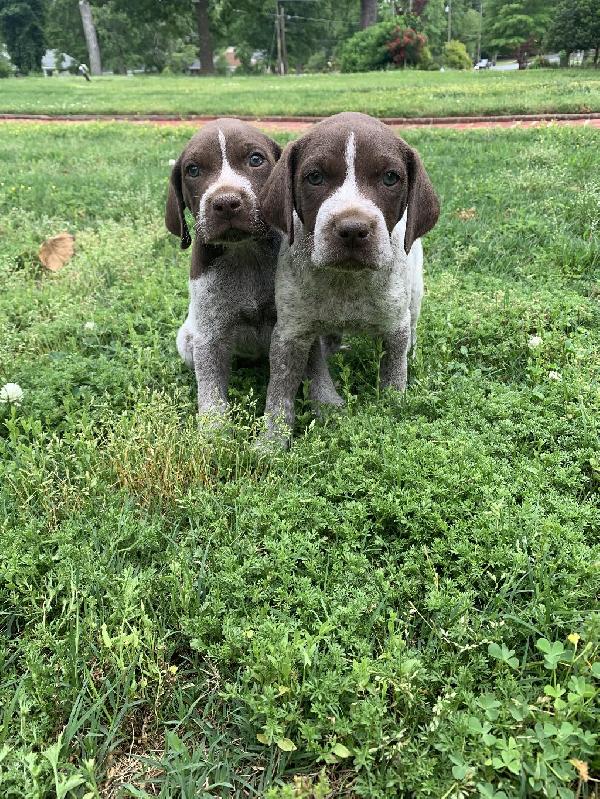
{"x":220,"y":37}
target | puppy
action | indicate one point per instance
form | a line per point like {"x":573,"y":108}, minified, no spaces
{"x":218,"y":177}
{"x":354,"y":201}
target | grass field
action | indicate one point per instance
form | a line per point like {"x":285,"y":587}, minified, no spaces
{"x":400,"y":93}
{"x":404,"y":605}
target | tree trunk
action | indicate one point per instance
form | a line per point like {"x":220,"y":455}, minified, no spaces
{"x":91,"y":39}
{"x":205,"y":48}
{"x":368,"y":13}
{"x":596,"y":54}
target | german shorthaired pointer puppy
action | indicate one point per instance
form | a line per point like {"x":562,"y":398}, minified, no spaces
{"x":218,"y":177}
{"x":354,"y":201}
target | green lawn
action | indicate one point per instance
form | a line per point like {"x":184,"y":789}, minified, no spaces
{"x":407,"y":600}
{"x":400,"y":93}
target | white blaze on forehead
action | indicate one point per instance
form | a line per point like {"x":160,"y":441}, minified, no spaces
{"x":348,"y":197}
{"x":228,"y":179}
{"x":351,"y":161}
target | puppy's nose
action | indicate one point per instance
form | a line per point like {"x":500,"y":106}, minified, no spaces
{"x":227,"y":205}
{"x":353,"y":232}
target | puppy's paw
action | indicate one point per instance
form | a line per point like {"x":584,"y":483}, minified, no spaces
{"x":275,"y":436}
{"x":212,"y":419}
{"x":268,"y":443}
{"x":324,"y":393}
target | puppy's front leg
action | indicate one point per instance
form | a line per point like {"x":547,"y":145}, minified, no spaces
{"x":321,"y":389}
{"x":394,"y":364}
{"x":288,"y":358}
{"x":212,"y":364}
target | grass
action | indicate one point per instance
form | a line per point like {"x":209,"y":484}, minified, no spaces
{"x":401,"y":93}
{"x":404,"y":605}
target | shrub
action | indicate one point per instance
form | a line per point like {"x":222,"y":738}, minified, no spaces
{"x":406,"y":46}
{"x":426,"y":60}
{"x":456,"y":56}
{"x":390,"y":43}
{"x":5,"y":67}
{"x":542,"y":63}
{"x":180,"y":58}
{"x":318,"y":62}
{"x":367,"y":50}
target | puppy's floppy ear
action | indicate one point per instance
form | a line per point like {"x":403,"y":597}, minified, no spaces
{"x":423,"y":204}
{"x":275,"y":148}
{"x":277,"y":196}
{"x":175,"y":210}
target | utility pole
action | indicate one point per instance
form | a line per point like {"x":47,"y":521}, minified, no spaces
{"x":480,"y":30}
{"x":282,"y":65}
{"x":283,"y":41}
{"x":449,"y":12}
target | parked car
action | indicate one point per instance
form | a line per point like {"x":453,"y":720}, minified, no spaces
{"x":483,"y":63}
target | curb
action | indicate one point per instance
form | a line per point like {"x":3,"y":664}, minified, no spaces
{"x":420,"y":121}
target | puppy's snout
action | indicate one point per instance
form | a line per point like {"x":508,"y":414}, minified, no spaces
{"x":227,"y":205}
{"x":353,"y":232}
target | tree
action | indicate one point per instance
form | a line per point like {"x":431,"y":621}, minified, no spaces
{"x":91,"y":39}
{"x":368,"y":13}
{"x":517,"y":26}
{"x":22,"y":28}
{"x":576,"y":26}
{"x":205,"y":46}
{"x":313,"y":26}
{"x":64,"y":29}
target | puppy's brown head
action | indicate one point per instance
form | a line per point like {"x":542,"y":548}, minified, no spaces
{"x":350,"y":180}
{"x":218,"y":177}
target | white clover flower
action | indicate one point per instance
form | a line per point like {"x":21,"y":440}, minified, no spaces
{"x":552,"y":375}
{"x":172,"y":161}
{"x":534,"y":341}
{"x":11,"y":392}
{"x":89,"y":326}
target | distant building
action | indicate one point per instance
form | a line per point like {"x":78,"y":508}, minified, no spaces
{"x":231,"y":60}
{"x":53,"y":61}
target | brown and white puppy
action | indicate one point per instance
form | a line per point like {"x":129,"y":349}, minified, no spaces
{"x":218,"y":178}
{"x":354,"y":201}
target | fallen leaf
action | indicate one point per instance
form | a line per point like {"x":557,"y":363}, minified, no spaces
{"x":341,"y":751}
{"x":582,"y":768}
{"x":56,"y":251}
{"x":466,"y":213}
{"x":286,"y":745}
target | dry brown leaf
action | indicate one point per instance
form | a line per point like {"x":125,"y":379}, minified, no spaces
{"x":582,"y":768}
{"x":56,"y":251}
{"x":466,"y":213}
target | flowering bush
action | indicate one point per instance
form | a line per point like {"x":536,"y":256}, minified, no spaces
{"x":406,"y":47}
{"x":390,"y":43}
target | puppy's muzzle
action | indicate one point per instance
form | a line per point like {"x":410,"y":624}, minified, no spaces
{"x":351,"y":241}
{"x":230,"y":215}
{"x":354,"y":232}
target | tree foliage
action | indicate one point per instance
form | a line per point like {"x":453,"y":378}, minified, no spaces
{"x":393,"y":42}
{"x":456,"y":56}
{"x":368,"y":49}
{"x":575,"y":26}
{"x":22,"y":29}
{"x":517,"y":26}
{"x":157,"y":35}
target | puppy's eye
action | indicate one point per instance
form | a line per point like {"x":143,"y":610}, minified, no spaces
{"x":256,"y":159}
{"x":315,"y":178}
{"x":390,"y":178}
{"x":192,"y":170}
